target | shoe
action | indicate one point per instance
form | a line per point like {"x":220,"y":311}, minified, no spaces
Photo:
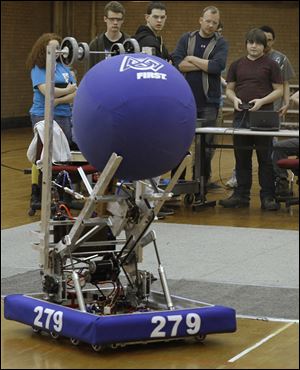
{"x":165,"y":211}
{"x":269,"y":204}
{"x":234,"y":201}
{"x":35,"y":200}
{"x":232,"y":182}
{"x":282,"y":188}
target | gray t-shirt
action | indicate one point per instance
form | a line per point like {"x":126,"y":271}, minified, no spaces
{"x":287,"y":71}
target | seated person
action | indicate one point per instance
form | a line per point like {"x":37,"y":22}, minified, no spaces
{"x":284,"y":149}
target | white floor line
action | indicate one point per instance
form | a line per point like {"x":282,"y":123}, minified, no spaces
{"x":237,"y":357}
{"x":264,"y":318}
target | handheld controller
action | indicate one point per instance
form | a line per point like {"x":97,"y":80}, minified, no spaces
{"x":246,"y":106}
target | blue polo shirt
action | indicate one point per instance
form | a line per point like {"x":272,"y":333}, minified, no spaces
{"x":38,"y":76}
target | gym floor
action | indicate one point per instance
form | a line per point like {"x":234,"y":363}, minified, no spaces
{"x":268,"y":344}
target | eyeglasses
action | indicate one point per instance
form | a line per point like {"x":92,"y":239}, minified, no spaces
{"x":115,"y":19}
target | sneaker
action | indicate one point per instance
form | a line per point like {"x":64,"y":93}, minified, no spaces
{"x":232,"y":182}
{"x":282,"y":188}
{"x":269,"y":204}
{"x":235,"y":201}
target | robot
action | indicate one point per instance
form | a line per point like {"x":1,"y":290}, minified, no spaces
{"x":93,"y":289}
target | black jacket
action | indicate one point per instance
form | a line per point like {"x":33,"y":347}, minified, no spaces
{"x":146,"y":37}
{"x":98,"y":45}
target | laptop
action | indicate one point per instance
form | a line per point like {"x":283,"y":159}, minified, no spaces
{"x":264,"y":120}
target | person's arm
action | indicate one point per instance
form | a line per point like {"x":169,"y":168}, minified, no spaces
{"x":286,"y":99}
{"x":223,"y":82}
{"x":270,"y":98}
{"x":66,"y":99}
{"x":295,"y":98}
{"x":230,"y":93}
{"x":199,"y":63}
{"x":58,"y":92}
{"x":186,"y":66}
{"x":215,"y":65}
{"x":180,"y":55}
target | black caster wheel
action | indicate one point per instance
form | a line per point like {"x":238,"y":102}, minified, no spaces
{"x":36,"y":330}
{"x":188,"y":199}
{"x":200,"y":338}
{"x":75,"y":341}
{"x":54,"y":335}
{"x":97,"y":347}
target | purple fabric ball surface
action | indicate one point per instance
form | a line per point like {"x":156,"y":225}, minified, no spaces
{"x":139,"y":107}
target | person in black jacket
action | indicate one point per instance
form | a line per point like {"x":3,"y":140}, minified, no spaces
{"x":114,"y":14}
{"x":149,"y":35}
{"x":201,"y":56}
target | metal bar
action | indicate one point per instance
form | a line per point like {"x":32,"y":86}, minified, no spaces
{"x":172,"y":183}
{"x":99,"y":189}
{"x":85,"y":180}
{"x":89,"y":234}
{"x":47,"y":157}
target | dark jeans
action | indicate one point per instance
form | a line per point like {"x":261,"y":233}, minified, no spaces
{"x":65,"y":123}
{"x":209,"y":115}
{"x":243,"y":158}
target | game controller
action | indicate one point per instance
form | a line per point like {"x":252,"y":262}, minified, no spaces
{"x":246,"y":106}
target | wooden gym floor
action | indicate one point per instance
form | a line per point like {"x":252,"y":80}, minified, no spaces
{"x":269,"y":344}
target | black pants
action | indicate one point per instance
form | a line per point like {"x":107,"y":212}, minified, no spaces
{"x":243,"y":158}
{"x":209,"y":115}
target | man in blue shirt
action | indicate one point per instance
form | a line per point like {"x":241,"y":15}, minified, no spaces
{"x":201,"y":56}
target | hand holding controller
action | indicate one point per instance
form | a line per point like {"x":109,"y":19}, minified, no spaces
{"x":246,"y":106}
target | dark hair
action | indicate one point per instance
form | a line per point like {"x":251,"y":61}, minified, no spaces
{"x":256,"y":35}
{"x":114,"y":6}
{"x":268,"y":29}
{"x":37,"y":55}
{"x":155,"y":5}
{"x":220,"y":25}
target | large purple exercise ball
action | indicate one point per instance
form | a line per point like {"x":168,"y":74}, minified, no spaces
{"x":139,"y":107}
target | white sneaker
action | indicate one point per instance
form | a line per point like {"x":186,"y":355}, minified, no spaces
{"x":232,"y":182}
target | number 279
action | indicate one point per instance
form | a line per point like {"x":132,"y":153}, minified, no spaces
{"x":56,"y":316}
{"x":193,"y":323}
